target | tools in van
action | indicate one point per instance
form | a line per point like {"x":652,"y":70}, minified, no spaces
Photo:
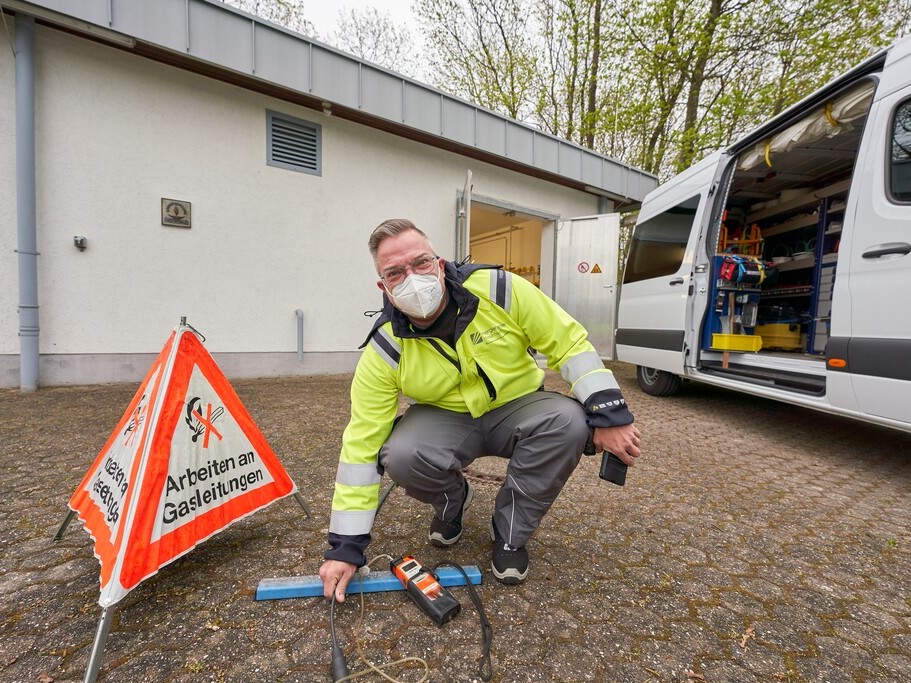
{"x":742,"y":270}
{"x":739,"y":239}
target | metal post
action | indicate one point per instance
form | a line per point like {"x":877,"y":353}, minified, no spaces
{"x":300,"y":337}
{"x":300,"y":499}
{"x":26,"y":210}
{"x":385,"y":495}
{"x":66,"y":522}
{"x":101,"y":639}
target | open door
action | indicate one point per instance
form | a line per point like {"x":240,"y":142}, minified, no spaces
{"x":463,"y":224}
{"x":658,"y":281}
{"x":585,"y":275}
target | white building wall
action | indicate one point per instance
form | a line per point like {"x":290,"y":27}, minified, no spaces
{"x":9,"y":269}
{"x":116,"y":133}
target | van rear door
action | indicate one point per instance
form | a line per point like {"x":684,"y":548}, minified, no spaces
{"x":657,"y":280}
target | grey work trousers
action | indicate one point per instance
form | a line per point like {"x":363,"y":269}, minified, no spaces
{"x":542,"y":434}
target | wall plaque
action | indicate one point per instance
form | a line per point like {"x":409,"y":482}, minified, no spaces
{"x":175,"y":213}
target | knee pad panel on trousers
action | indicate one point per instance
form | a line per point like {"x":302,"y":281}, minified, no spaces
{"x":567,"y":418}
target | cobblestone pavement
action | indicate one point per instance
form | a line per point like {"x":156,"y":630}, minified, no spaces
{"x":755,"y":542}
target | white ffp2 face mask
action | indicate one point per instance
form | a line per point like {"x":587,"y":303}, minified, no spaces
{"x":419,"y":296}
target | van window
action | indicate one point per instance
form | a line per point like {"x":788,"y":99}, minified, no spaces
{"x":660,"y":243}
{"x":901,"y":153}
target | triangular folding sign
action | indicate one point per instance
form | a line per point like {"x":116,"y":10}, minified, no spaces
{"x":184,"y":462}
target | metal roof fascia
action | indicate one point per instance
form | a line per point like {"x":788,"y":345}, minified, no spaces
{"x":336,"y":77}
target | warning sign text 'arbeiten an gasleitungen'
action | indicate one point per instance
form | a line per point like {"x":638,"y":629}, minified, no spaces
{"x":185,"y":461}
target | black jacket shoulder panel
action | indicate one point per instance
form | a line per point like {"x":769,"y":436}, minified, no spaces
{"x":467,"y":269}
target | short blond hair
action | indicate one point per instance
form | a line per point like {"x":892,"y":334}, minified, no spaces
{"x":391,"y":228}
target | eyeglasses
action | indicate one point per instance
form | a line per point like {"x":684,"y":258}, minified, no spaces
{"x":422,"y":265}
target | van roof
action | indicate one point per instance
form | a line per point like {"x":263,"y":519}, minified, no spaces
{"x":681,"y":187}
{"x":688,"y":182}
{"x":869,"y":66}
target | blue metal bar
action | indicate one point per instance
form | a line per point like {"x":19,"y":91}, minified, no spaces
{"x":374,"y":582}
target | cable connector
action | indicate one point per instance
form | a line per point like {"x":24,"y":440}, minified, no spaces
{"x":339,"y":665}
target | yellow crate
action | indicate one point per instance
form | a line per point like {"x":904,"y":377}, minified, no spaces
{"x":736,"y":342}
{"x":784,"y":336}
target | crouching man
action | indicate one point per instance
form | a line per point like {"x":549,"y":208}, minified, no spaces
{"x":455,"y":340}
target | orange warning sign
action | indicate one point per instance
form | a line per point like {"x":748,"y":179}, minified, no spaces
{"x":185,"y":461}
{"x":596,"y":269}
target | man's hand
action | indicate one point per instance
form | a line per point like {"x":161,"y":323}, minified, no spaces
{"x":622,"y":441}
{"x":336,"y":576}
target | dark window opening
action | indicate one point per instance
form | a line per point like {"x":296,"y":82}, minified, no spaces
{"x":659,"y":243}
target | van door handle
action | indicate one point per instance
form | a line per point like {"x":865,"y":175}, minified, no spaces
{"x":676,"y":281}
{"x":888,"y":248}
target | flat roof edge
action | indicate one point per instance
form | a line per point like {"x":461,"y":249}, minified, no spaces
{"x":223,"y":42}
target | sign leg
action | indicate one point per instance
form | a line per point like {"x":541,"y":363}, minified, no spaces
{"x":300,"y":499}
{"x":385,"y":495}
{"x":101,"y":639}
{"x":66,"y":522}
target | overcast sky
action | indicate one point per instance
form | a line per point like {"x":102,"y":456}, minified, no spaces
{"x":323,"y":13}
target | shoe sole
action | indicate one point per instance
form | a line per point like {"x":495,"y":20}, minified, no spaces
{"x":511,"y":577}
{"x":438,"y":540}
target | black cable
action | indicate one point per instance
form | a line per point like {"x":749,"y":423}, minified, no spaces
{"x":485,"y":668}
{"x":384,"y":497}
{"x":339,"y":666}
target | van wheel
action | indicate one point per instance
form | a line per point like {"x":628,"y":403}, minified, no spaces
{"x":657,"y":382}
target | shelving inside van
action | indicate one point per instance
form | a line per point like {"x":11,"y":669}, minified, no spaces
{"x":790,"y":191}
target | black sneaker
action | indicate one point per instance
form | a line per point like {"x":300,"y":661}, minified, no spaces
{"x":444,"y":534}
{"x":510,"y":565}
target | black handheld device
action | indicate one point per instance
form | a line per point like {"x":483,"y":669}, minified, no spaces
{"x":613,"y":469}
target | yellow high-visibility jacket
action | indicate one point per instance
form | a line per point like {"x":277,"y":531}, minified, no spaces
{"x":501,"y":316}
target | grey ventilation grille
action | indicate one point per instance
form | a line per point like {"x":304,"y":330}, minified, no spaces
{"x":293,"y":143}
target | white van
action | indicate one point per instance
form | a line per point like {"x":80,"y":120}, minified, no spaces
{"x":781,"y":266}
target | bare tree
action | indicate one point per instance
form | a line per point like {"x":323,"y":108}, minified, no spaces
{"x":287,"y":13}
{"x":372,"y":35}
{"x":568,"y":74}
{"x":481,"y":50}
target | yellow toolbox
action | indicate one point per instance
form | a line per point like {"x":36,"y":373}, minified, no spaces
{"x":784,"y":336}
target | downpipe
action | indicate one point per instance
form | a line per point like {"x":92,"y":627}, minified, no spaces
{"x":300,"y":335}
{"x":26,"y":211}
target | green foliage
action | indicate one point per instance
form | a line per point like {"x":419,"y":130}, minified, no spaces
{"x":656,"y":83}
{"x":653,"y":83}
{"x":708,"y":71}
{"x":481,"y":50}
